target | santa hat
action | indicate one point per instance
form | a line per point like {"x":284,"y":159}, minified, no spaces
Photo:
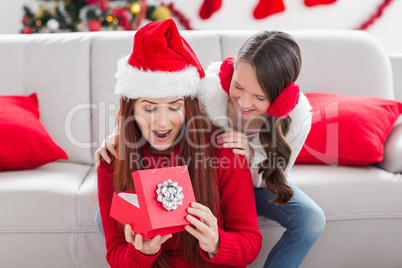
{"x":162,"y":65}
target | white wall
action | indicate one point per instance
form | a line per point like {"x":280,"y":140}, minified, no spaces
{"x":11,"y":12}
{"x":237,"y":14}
{"x":343,"y":14}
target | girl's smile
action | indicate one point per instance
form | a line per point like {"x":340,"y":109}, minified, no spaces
{"x":244,"y":110}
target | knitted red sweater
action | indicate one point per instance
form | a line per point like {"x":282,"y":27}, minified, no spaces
{"x":240,"y":239}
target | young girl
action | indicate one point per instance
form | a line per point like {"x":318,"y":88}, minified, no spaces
{"x":267,"y":119}
{"x":159,"y":117}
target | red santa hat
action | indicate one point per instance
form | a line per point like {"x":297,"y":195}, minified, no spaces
{"x":162,"y":65}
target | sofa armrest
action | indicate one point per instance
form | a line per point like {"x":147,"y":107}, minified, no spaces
{"x":393,"y":150}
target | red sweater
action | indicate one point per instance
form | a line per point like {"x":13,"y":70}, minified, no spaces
{"x":240,"y":239}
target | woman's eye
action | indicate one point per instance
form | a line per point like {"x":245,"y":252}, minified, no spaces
{"x":149,"y":110}
{"x":174,"y":109}
{"x":260,"y":98}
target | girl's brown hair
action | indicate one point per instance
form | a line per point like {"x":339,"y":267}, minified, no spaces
{"x":194,"y":144}
{"x":276,"y":59}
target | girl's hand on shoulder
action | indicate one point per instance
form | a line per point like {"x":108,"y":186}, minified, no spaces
{"x":145,"y":246}
{"x":205,"y":229}
{"x":109,"y":144}
{"x":238,"y":141}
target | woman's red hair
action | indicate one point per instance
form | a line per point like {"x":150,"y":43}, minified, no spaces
{"x":194,"y":145}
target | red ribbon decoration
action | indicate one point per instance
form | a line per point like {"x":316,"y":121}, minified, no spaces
{"x":376,"y":15}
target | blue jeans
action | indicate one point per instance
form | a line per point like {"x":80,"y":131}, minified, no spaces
{"x":98,"y":222}
{"x":304,"y":222}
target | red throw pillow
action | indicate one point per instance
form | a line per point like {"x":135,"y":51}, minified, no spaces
{"x":24,"y":142}
{"x":348,"y":130}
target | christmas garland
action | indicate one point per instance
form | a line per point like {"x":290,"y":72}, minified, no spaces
{"x":96,"y":15}
{"x":375,"y":16}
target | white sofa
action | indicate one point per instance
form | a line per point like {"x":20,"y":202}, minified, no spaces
{"x":46,"y":214}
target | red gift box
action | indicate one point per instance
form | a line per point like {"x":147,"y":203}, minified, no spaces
{"x":148,"y":216}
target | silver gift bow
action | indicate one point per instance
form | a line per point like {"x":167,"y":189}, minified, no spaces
{"x":169,"y":194}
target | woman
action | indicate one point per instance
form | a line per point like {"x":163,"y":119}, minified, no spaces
{"x":158,"y":121}
{"x":267,"y":119}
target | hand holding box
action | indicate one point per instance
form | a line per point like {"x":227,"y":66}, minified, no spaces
{"x":159,"y":203}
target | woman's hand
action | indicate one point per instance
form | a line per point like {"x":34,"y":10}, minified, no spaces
{"x":145,"y":246}
{"x":237,"y":140}
{"x":205,"y":229}
{"x":109,"y":144}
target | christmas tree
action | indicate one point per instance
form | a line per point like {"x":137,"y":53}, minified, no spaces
{"x":95,"y":15}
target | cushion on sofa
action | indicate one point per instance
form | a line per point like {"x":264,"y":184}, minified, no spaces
{"x":348,"y":130}
{"x":24,"y":141}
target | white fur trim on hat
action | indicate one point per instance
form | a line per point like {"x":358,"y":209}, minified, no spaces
{"x":134,"y":83}
{"x":213,"y":99}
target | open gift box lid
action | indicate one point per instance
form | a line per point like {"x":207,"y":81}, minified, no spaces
{"x":141,"y":208}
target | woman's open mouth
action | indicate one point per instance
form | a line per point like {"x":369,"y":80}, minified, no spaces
{"x":162,"y":135}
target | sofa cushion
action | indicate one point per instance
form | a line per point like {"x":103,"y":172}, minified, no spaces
{"x":346,"y":193}
{"x":42,"y":199}
{"x":12,"y":64}
{"x":56,"y":67}
{"x":24,"y":141}
{"x":348,"y":130}
{"x":88,"y":200}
